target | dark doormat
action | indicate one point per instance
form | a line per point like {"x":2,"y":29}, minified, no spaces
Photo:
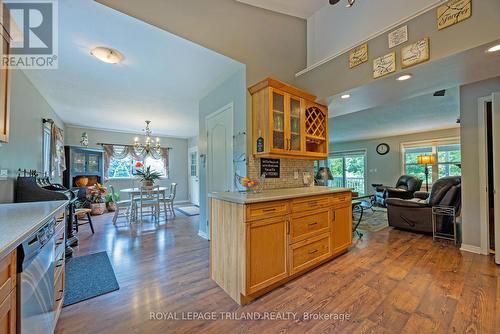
{"x":87,"y":277}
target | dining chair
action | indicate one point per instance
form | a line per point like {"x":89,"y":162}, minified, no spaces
{"x":123,"y":204}
{"x":149,"y":198}
{"x":169,"y":199}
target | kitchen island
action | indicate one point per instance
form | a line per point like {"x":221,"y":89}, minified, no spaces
{"x":21,"y":223}
{"x":260,"y":241}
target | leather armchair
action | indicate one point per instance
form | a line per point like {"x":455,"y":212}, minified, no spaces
{"x":406,"y":186}
{"x":416,"y":214}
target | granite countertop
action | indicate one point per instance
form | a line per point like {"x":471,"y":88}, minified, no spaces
{"x":19,"y":220}
{"x":274,"y":194}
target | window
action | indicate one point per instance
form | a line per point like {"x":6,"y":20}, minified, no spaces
{"x":348,"y":170}
{"x":448,"y":159}
{"x":194,"y":164}
{"x":125,"y":167}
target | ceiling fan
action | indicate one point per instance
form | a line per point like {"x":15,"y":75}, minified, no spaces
{"x":349,"y":2}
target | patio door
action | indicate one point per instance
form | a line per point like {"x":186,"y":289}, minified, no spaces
{"x":349,"y":170}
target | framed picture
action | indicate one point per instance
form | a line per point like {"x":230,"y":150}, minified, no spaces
{"x":453,"y":12}
{"x":384,"y":65}
{"x":358,"y":55}
{"x":398,"y":36}
{"x":415,"y":53}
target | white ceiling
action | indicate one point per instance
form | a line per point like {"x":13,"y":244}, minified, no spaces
{"x":298,"y":8}
{"x":161,"y":78}
{"x":418,"y":114}
{"x":459,"y":69}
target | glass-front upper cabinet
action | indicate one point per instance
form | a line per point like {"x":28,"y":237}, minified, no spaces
{"x":79,"y":162}
{"x":295,"y":123}
{"x":278,"y":121}
{"x":93,"y":161}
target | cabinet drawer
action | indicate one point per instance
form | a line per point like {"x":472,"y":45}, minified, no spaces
{"x":7,"y":274}
{"x":311,"y":203}
{"x":266,"y":210}
{"x":304,"y":226}
{"x":343,"y":198}
{"x":307,"y":253}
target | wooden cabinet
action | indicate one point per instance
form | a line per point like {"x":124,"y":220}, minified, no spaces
{"x":266,"y":249}
{"x":256,"y":247}
{"x":341,"y":233}
{"x":287,"y":122}
{"x":8,"y":279}
{"x":4,"y":76}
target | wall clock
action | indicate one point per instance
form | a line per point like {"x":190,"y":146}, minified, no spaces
{"x":383,"y":149}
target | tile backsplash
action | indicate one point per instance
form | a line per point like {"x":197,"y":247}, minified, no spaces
{"x":288,"y":167}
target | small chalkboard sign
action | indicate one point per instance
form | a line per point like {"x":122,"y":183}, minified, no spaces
{"x":270,"y":167}
{"x":260,"y":145}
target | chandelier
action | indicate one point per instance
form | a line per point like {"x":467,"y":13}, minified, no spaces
{"x":150,"y":145}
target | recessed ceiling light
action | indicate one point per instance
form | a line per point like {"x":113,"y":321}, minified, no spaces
{"x":494,"y":48}
{"x":345,"y":96}
{"x":404,"y":77}
{"x":107,"y":55}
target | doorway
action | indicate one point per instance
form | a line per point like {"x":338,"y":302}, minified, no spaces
{"x":489,"y":140}
{"x":193,"y":172}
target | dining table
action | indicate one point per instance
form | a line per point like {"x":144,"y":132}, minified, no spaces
{"x":134,"y":192}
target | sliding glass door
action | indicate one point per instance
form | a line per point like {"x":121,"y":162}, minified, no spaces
{"x":348,"y":170}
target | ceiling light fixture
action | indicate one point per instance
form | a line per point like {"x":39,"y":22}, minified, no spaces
{"x":345,"y":96}
{"x":349,"y":2}
{"x":404,"y":77}
{"x":149,"y":146}
{"x":107,"y":55}
{"x":494,"y":48}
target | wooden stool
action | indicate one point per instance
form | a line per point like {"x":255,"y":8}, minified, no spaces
{"x":83,"y":212}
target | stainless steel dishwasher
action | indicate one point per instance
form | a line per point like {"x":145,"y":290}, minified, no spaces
{"x":36,"y":282}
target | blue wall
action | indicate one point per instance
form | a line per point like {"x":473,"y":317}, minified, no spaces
{"x":233,"y":90}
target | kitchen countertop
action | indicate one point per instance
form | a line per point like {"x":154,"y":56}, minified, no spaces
{"x":19,"y":220}
{"x":274,"y":194}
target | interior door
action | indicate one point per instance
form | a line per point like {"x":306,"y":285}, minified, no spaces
{"x":496,"y":168}
{"x":194,"y":182}
{"x":220,"y":150}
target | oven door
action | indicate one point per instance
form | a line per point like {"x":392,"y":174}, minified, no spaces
{"x":37,"y":292}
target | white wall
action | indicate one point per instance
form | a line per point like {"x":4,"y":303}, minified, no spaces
{"x":231,"y":91}
{"x":24,"y":150}
{"x":469,"y":95}
{"x":177,"y":158}
{"x":333,"y":29}
{"x":388,"y":167}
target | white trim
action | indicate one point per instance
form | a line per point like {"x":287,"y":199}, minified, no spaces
{"x":470,"y":249}
{"x":483,"y":175}
{"x":203,"y":234}
{"x":374,"y":35}
{"x":129,"y":132}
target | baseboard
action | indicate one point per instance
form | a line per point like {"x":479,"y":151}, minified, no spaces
{"x":203,"y":235}
{"x":470,"y":249}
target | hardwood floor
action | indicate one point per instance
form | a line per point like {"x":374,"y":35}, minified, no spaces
{"x":391,"y":282}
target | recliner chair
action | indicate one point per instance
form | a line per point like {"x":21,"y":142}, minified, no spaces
{"x":416,"y":214}
{"x":406,"y":186}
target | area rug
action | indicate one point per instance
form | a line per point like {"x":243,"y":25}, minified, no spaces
{"x":372,"y":221}
{"x":87,"y":277}
{"x":188,"y":210}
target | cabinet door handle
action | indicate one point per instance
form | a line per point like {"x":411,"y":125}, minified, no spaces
{"x":313,"y":203}
{"x":312,"y":224}
{"x":288,"y":227}
{"x":269,"y":210}
{"x":334,"y":215}
{"x":313,"y":251}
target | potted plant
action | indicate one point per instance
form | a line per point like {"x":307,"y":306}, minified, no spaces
{"x":110,"y":203}
{"x":96,"y":198}
{"x":146,"y":175}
